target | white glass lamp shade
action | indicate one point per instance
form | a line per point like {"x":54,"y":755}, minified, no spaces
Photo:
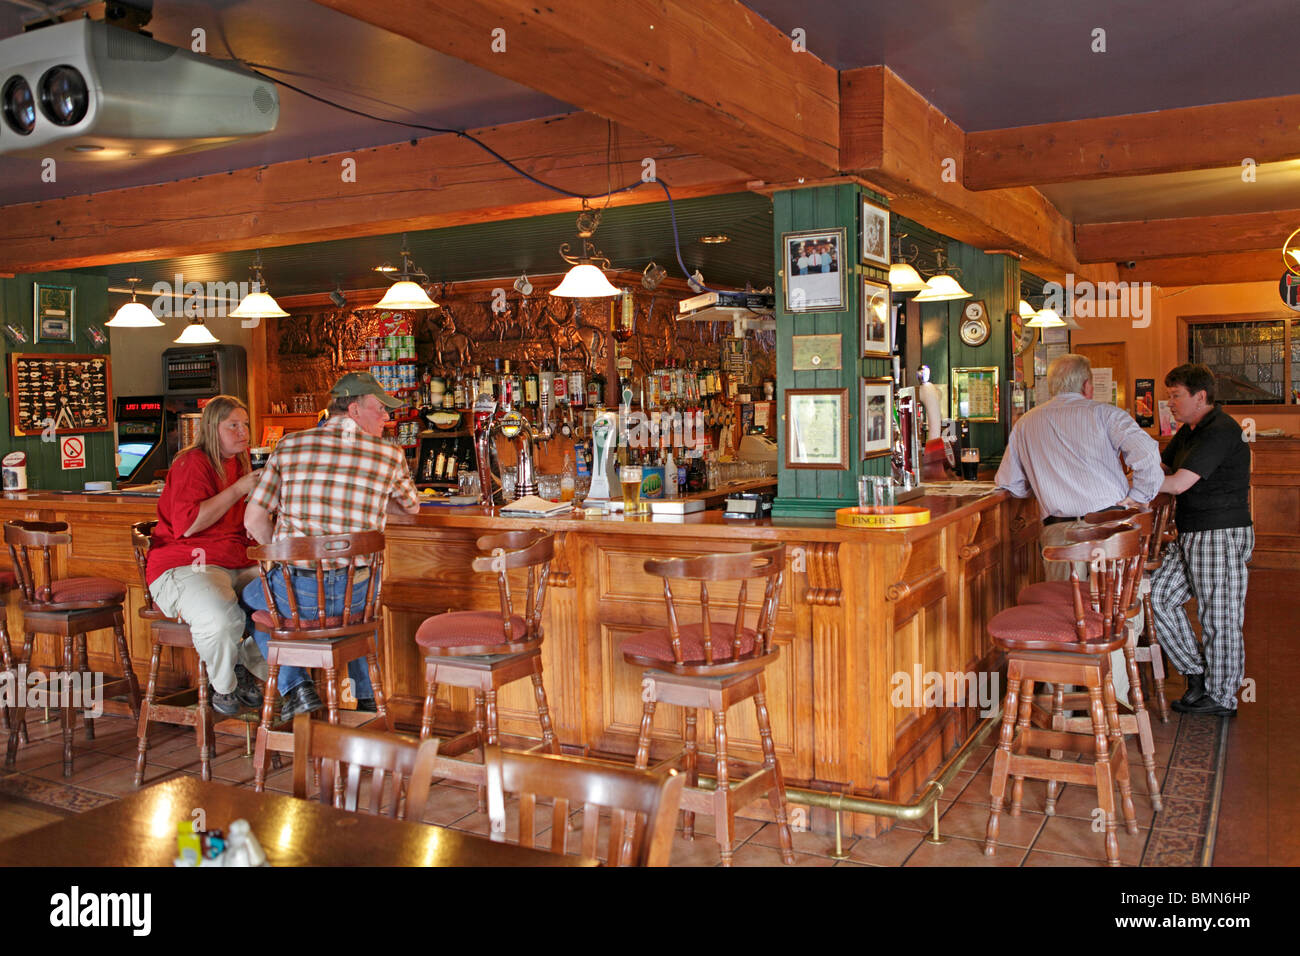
{"x":405,"y":295}
{"x":585,"y":281}
{"x":903,"y":278}
{"x":258,"y":305}
{"x":134,"y":315}
{"x":1027,"y":311}
{"x":1046,"y":319}
{"x":196,"y":333}
{"x":941,"y":288}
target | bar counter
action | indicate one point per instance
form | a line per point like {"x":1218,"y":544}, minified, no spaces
{"x":858,"y":608}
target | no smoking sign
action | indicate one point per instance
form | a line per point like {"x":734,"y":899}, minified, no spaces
{"x":72,"y":452}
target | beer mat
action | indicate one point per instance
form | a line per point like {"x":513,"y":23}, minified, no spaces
{"x":533,"y":506}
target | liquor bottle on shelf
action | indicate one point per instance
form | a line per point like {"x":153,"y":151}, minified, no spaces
{"x":458,"y":396}
{"x":561,"y":387}
{"x":530,"y":390}
{"x":577,"y":389}
{"x":596,"y":391}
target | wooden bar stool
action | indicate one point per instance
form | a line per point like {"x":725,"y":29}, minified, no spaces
{"x":8,"y":582}
{"x":327,"y":641}
{"x":486,"y":650}
{"x":174,"y":709}
{"x":1136,"y":719}
{"x":67,"y":607}
{"x":688,"y":667}
{"x":1068,"y":645}
{"x":1148,"y":650}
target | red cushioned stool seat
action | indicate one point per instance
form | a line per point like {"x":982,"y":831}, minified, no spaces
{"x":471,"y":629}
{"x":265,"y":622}
{"x":8,"y":580}
{"x":75,"y":590}
{"x":1047,"y":592}
{"x":657,"y":645}
{"x":1029,"y":626}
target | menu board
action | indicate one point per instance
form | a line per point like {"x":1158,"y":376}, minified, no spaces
{"x":74,"y":392}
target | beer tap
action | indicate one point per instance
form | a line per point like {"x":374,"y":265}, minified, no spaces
{"x":524,"y":434}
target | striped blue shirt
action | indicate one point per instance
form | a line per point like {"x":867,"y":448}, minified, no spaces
{"x":1067,"y":453}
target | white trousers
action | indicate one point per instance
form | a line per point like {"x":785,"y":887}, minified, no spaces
{"x":207,"y":600}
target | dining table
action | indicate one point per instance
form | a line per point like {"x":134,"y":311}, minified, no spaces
{"x":141,"y":830}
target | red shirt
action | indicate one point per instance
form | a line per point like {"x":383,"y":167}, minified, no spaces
{"x":190,"y":482}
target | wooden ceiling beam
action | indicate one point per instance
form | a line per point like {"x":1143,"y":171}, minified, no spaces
{"x":1167,"y":141}
{"x":438,"y":182}
{"x":1207,"y":270}
{"x":1191,"y":236}
{"x":711,"y":76}
{"x":893,"y":138}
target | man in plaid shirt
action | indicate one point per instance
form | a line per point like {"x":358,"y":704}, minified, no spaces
{"x":340,"y":478}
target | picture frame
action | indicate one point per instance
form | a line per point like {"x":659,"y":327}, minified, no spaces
{"x":975,"y":394}
{"x":807,"y":290}
{"x":53,"y":312}
{"x":816,"y":353}
{"x":874,"y":234}
{"x":877,"y":320}
{"x":817,"y":428}
{"x":877,"y":417}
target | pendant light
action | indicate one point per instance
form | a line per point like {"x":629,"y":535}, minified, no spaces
{"x":196,"y":333}
{"x":134,"y":315}
{"x":941,"y":288}
{"x":1026,"y":310}
{"x":904,"y":278}
{"x":258,"y":304}
{"x":1046,"y":318}
{"x":586,"y":280}
{"x":405,"y":293}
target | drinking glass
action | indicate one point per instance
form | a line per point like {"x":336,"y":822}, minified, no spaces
{"x":866,"y":497}
{"x":629,"y":476}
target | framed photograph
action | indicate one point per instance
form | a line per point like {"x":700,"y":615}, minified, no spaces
{"x":877,"y":417}
{"x":875,"y":234}
{"x":814,"y":271}
{"x":53,"y":312}
{"x":877,"y":320}
{"x":975,"y":394}
{"x":816,"y":353}
{"x":817,"y":428}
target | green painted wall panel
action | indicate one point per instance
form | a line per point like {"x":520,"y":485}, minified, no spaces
{"x":91,"y":308}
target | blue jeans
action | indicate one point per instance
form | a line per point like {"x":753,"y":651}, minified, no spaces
{"x":304,"y":586}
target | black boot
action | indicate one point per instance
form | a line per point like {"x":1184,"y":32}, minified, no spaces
{"x":1195,"y":689}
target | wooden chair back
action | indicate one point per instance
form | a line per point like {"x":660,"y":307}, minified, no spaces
{"x":763,"y":561}
{"x":1163,"y":506}
{"x":650,"y":798}
{"x":1114,"y":558}
{"x":509,"y":550}
{"x":25,"y":537}
{"x":141,"y":539}
{"x":402,"y":766}
{"x":314,"y":556}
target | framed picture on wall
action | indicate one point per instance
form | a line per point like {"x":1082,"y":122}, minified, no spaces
{"x":877,"y":417}
{"x":817,"y":428}
{"x":814,"y":269}
{"x":877,"y":320}
{"x":975,"y":394}
{"x":53,"y":312}
{"x":875,"y":234}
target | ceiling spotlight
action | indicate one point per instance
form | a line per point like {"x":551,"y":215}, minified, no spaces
{"x":134,"y":315}
{"x":586,"y":280}
{"x":337,"y":296}
{"x":715,"y":240}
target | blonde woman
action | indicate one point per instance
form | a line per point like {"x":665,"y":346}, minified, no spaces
{"x":198,"y":561}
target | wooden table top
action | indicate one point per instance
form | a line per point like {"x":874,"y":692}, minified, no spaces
{"x":140,"y":830}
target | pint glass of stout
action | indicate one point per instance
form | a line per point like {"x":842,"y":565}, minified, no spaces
{"x":970,"y":463}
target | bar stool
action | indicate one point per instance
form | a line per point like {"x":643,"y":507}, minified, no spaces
{"x":486,"y":650}
{"x":1148,"y":649}
{"x":1068,"y":645}
{"x":8,"y":582}
{"x":1135,"y":719}
{"x":327,"y":641}
{"x":67,"y":607}
{"x":685,"y":666}
{"x":171,"y":632}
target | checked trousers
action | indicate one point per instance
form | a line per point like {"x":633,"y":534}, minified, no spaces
{"x":1209,"y":566}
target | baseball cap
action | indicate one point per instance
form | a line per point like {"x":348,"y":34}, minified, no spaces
{"x":356,"y":384}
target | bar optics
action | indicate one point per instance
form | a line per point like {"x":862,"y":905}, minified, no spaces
{"x":258,"y":304}
{"x":586,"y":280}
{"x":134,"y":315}
{"x":405,"y":293}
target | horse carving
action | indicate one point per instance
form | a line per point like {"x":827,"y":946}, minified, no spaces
{"x":449,"y":340}
{"x":566,"y":334}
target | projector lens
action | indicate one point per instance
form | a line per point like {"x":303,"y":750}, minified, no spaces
{"x":19,"y":107}
{"x":64,"y":97}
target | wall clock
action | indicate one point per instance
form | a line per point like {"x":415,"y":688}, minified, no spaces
{"x":974,"y":329}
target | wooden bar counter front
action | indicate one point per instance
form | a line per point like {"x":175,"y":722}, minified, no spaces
{"x":863,"y":617}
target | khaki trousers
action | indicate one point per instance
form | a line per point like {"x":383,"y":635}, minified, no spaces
{"x":205,"y":598}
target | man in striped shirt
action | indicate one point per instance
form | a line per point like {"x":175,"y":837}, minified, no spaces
{"x":340,"y":478}
{"x":1067,"y":453}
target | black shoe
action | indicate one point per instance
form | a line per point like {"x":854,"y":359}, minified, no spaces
{"x":1205,"y":707}
{"x":225,"y":704}
{"x":367,"y":705}
{"x":1195,"y":689}
{"x":301,"y":700}
{"x":249,"y":689}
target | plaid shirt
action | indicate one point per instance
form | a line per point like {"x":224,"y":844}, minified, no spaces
{"x":334,"y":479}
